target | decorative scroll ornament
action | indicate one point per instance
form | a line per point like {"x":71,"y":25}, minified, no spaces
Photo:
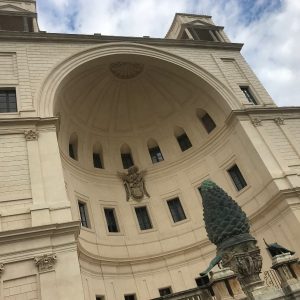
{"x":45,"y":262}
{"x":279,"y":121}
{"x":126,"y":70}
{"x":31,"y":135}
{"x":134,"y":183}
{"x":256,"y":122}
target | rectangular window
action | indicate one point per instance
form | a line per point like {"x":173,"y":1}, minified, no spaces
{"x":208,"y":123}
{"x":130,"y":297}
{"x":99,"y":298}
{"x":127,"y":160}
{"x":84,"y":217}
{"x":184,"y":142}
{"x":176,"y":210}
{"x":156,"y":155}
{"x":72,"y":151}
{"x":248,"y":94}
{"x":97,"y":161}
{"x":165,"y":291}
{"x":111,"y":220}
{"x":237,"y":177}
{"x":143,"y":218}
{"x":8,"y":100}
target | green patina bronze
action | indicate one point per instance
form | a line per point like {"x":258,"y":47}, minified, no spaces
{"x":225,"y":222}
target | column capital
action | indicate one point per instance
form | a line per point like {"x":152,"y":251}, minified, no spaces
{"x":46,"y":262}
{"x":31,"y":135}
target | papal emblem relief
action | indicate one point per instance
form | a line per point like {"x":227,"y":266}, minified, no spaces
{"x":134,"y":183}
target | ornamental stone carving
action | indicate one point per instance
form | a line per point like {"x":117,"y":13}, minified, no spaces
{"x":1,"y":269}
{"x":279,"y":121}
{"x":126,"y":70}
{"x":31,"y":135}
{"x":46,"y":262}
{"x":256,"y":122}
{"x":134,"y":183}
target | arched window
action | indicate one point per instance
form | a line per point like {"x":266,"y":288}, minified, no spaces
{"x":73,"y":146}
{"x":182,"y":139}
{"x":206,"y":120}
{"x":126,"y":156}
{"x":154,"y":151}
{"x":97,"y":156}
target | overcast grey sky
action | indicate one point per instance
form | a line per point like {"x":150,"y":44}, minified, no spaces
{"x":270,"y":29}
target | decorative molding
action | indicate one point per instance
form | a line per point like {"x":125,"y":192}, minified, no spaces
{"x":126,"y":70}
{"x":46,"y":262}
{"x":256,"y":122}
{"x":279,"y":121}
{"x":31,"y":135}
{"x":2,"y":268}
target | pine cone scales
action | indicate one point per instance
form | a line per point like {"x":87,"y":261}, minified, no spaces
{"x":222,"y":215}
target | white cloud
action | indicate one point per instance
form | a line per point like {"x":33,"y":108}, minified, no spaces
{"x":270,"y":31}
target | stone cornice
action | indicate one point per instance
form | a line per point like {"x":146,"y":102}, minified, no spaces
{"x":18,"y":13}
{"x":265,"y":113}
{"x":30,"y":233}
{"x":98,"y":38}
{"x":28,"y":121}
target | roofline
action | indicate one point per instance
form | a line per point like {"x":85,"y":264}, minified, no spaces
{"x":98,"y":38}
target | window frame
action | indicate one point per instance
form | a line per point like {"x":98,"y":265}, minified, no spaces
{"x":115,"y":218}
{"x":12,"y":88}
{"x":251,"y":98}
{"x":170,"y":212}
{"x":100,"y":159}
{"x":178,"y":138}
{"x":231,"y":166}
{"x":89,"y":223}
{"x":150,"y":150}
{"x":129,"y":154}
{"x":207,"y":129}
{"x":128,"y":295}
{"x":150,"y":214}
{"x":164,"y":288}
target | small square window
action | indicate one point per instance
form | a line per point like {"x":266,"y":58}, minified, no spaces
{"x":237,"y":177}
{"x":165,"y":291}
{"x":111,"y":220}
{"x":176,"y":210}
{"x":143,"y":217}
{"x":8,"y":100}
{"x":130,"y":297}
{"x":248,"y":94}
{"x":84,"y":217}
{"x":208,"y":123}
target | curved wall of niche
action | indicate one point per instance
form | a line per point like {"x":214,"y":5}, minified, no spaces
{"x":113,"y":113}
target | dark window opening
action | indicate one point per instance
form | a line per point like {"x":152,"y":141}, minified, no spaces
{"x":203,"y":34}
{"x":184,"y":142}
{"x":165,"y":291}
{"x":208,"y":123}
{"x":97,"y":161}
{"x":130,"y":297}
{"x":248,"y":94}
{"x":111,"y":221}
{"x":8,"y":100}
{"x":72,"y":151}
{"x":127,"y":160}
{"x":99,"y":298}
{"x":176,"y":210}
{"x":143,"y":218}
{"x":237,"y":177}
{"x":84,"y":217}
{"x":155,"y":154}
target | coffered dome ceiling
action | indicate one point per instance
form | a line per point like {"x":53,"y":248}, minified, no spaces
{"x":120,"y":95}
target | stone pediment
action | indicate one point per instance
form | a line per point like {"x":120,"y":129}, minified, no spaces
{"x":13,"y":8}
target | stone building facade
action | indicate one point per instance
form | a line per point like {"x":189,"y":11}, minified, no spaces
{"x":77,"y":111}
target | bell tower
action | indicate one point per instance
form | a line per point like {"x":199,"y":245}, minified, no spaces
{"x":19,"y":16}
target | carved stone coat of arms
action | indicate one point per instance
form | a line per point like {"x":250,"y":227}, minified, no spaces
{"x":134,"y":183}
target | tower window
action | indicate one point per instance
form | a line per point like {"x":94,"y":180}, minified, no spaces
{"x":8,"y":100}
{"x":176,"y":210}
{"x":143,"y":217}
{"x":111,"y":220}
{"x":130,"y":297}
{"x":184,"y":142}
{"x":127,"y":160}
{"x":248,"y":94}
{"x":237,"y":177}
{"x":208,"y":122}
{"x":165,"y":291}
{"x":97,"y":161}
{"x":84,"y":217}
